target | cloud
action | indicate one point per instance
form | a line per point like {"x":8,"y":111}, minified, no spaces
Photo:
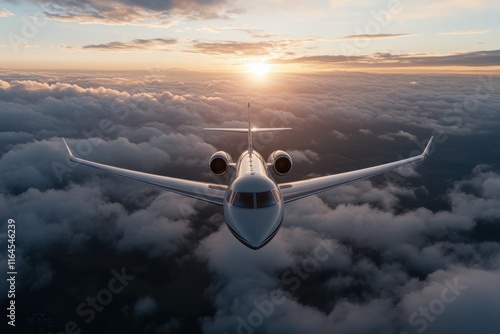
{"x":376,"y":36}
{"x":35,"y":207}
{"x":403,"y":134}
{"x":382,"y":285}
{"x":365,"y":131}
{"x":167,"y":226}
{"x":210,"y":29}
{"x":476,"y":292}
{"x":466,"y":32}
{"x":155,"y":13}
{"x":394,"y":244}
{"x":122,"y":229}
{"x":145,"y":306}
{"x":471,"y":59}
{"x":339,"y":135}
{"x":257,"y":33}
{"x":262,"y":48}
{"x":318,"y":59}
{"x":6,"y":13}
{"x":253,"y":32}
{"x":362,"y":192}
{"x":169,"y":327}
{"x":156,"y":44}
{"x":308,"y":156}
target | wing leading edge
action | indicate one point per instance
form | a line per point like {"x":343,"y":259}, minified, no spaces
{"x":213,"y":193}
{"x":299,"y":189}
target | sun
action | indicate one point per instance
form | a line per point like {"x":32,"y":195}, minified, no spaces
{"x":259,"y":69}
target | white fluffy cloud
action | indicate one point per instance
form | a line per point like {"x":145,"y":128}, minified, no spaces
{"x":403,"y":134}
{"x":303,"y":156}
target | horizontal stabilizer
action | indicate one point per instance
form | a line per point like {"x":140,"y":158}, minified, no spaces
{"x":241,"y":130}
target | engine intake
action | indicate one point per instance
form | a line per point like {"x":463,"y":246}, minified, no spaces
{"x":219,"y":162}
{"x":281,"y":161}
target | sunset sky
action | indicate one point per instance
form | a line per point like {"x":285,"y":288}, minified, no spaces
{"x":219,"y":35}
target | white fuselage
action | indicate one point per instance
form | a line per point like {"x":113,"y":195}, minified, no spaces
{"x":253,"y":205}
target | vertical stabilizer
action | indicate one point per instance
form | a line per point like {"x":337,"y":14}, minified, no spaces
{"x":250,"y":148}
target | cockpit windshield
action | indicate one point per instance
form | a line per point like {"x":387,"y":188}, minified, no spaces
{"x":254,"y":200}
{"x":244,"y":200}
{"x":265,"y":199}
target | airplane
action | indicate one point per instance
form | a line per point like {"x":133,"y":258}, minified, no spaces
{"x":253,"y":202}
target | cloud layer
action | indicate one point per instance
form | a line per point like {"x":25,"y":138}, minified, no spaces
{"x":365,"y":257}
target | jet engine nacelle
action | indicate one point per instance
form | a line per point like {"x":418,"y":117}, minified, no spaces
{"x":219,"y":161}
{"x":281,"y":161}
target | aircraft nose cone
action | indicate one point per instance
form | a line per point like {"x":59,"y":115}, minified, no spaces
{"x":255,"y":232}
{"x":254,"y":227}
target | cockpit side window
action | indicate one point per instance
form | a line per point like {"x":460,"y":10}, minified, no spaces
{"x":230,"y":196}
{"x":265,"y":199}
{"x":277,"y":194}
{"x":244,"y":200}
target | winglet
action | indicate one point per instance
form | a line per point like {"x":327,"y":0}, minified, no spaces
{"x":425,"y":153}
{"x":70,"y":154}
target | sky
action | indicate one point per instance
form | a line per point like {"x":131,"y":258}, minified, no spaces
{"x":230,"y":36}
{"x":133,"y":83}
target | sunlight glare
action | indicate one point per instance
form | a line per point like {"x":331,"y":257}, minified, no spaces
{"x":259,"y":69}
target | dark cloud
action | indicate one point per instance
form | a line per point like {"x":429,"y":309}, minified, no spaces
{"x":133,"y":11}
{"x":155,"y":44}
{"x":144,"y":306}
{"x":471,"y":59}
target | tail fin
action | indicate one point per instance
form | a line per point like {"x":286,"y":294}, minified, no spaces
{"x":250,"y":147}
{"x":250,"y":130}
{"x":243,"y":130}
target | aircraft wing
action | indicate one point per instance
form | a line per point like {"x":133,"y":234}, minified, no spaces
{"x":299,"y":189}
{"x":213,"y":193}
